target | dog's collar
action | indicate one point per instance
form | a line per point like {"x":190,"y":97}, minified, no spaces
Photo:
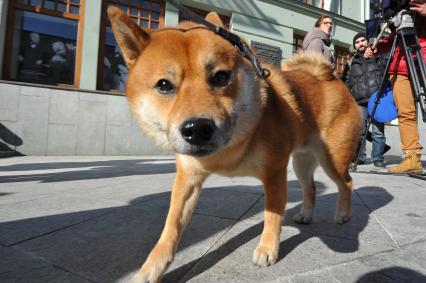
{"x":229,"y":36}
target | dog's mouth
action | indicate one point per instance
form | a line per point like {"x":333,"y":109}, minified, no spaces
{"x":199,"y":152}
{"x":199,"y":137}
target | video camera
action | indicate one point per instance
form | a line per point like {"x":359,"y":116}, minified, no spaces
{"x":389,"y":8}
{"x":394,"y":13}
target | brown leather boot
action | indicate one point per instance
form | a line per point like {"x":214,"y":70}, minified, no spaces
{"x":410,"y":164}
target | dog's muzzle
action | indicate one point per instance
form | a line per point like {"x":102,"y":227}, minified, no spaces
{"x":198,"y":131}
{"x":199,"y":136}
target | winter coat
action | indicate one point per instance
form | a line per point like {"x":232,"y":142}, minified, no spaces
{"x":399,"y":64}
{"x":319,"y":41}
{"x":363,"y":76}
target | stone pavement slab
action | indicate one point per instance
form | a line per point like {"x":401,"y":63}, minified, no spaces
{"x":95,"y":219}
{"x":18,"y":266}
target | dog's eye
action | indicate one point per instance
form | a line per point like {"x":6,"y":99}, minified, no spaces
{"x":165,"y":87}
{"x":220,"y":78}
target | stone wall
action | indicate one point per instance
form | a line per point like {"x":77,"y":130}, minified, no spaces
{"x":48,"y":121}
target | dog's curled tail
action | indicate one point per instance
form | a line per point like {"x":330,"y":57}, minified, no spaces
{"x":311,"y":62}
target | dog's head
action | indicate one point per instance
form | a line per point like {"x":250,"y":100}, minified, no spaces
{"x":189,"y":88}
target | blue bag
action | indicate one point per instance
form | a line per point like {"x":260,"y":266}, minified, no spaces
{"x":386,"y":110}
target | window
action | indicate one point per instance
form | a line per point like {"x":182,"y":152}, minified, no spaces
{"x":334,"y":6}
{"x":203,"y":13}
{"x":375,"y":10}
{"x":342,"y":56}
{"x":316,"y":3}
{"x":113,"y":71}
{"x":43,"y":43}
{"x":297,"y":42}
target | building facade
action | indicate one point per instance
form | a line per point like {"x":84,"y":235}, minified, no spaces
{"x":63,"y":77}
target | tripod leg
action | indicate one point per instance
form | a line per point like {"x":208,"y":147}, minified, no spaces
{"x":361,"y":144}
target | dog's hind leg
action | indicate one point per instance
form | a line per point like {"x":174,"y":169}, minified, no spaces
{"x":275,"y":188}
{"x":304,"y":164}
{"x":335,"y":156}
{"x":185,"y":193}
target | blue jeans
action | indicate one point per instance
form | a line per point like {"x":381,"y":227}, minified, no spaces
{"x":378,"y":136}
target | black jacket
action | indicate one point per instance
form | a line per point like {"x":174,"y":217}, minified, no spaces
{"x":363,"y":76}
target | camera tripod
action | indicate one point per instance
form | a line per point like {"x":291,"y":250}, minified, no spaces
{"x":406,"y":38}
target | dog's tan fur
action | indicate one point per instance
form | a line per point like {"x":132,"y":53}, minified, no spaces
{"x":303,"y":111}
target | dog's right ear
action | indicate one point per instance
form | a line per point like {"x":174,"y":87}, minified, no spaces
{"x":131,"y":38}
{"x":215,"y":19}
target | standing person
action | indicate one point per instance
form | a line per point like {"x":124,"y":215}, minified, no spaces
{"x":362,"y":75}
{"x":403,"y":95}
{"x":33,"y":60}
{"x":319,"y":39}
{"x":59,"y":64}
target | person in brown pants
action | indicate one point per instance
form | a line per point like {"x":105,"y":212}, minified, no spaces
{"x":403,"y":95}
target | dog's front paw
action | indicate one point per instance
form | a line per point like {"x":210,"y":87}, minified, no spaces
{"x":141,"y":277}
{"x":303,"y":217}
{"x":265,"y":256}
{"x":343,"y":214}
{"x":154,"y":267}
{"x":342,"y":217}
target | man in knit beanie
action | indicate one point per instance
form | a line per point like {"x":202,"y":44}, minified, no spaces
{"x":358,"y":36}
{"x":362,"y":76}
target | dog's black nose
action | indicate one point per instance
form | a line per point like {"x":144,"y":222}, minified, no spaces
{"x":198,"y":131}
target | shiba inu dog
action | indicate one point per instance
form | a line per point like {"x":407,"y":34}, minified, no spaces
{"x":192,"y":92}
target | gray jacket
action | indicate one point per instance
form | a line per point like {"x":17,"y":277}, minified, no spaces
{"x":319,"y":41}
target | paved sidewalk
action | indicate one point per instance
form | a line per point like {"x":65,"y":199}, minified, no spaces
{"x":95,"y":219}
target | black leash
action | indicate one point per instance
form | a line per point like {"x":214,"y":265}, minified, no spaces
{"x":229,"y":36}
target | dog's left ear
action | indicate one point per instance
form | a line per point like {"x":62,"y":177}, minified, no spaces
{"x":214,"y":18}
{"x":131,"y":38}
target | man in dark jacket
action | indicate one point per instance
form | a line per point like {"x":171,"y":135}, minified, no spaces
{"x":362,"y":76}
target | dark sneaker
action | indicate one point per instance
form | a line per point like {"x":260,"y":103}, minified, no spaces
{"x":387,"y":147}
{"x":379,"y":163}
{"x":361,"y":162}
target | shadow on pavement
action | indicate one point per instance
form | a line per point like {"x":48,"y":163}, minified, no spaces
{"x":327,"y":231}
{"x":8,"y":139}
{"x":92,"y":170}
{"x":393,"y":274}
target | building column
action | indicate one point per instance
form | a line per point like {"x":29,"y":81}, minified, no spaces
{"x":327,"y":5}
{"x":3,"y":27}
{"x":171,"y":17}
{"x":90,"y":46}
{"x":367,"y":9}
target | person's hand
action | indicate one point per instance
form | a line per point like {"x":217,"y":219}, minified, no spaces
{"x":419,"y":6}
{"x":369,"y":52}
{"x":70,"y":46}
{"x":107,"y":63}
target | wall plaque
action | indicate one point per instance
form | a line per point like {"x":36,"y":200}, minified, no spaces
{"x":268,"y":53}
